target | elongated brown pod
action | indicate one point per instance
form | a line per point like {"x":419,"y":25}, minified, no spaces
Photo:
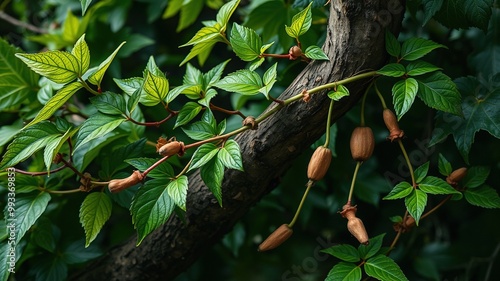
{"x":362,"y":143}
{"x":319,"y":163}
{"x":118,"y":185}
{"x":280,"y":235}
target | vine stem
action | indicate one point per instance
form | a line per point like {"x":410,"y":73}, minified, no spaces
{"x":151,"y":124}
{"x":87,"y":87}
{"x":34,"y":174}
{"x":379,"y":94}
{"x":156,"y":164}
{"x":362,"y":117}
{"x":184,"y":170}
{"x":294,"y":220}
{"x":351,"y":191}
{"x":6,"y":17}
{"x":408,"y":163}
{"x":61,"y":191}
{"x":328,"y":124}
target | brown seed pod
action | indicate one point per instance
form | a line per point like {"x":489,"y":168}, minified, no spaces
{"x":391,"y":122}
{"x":172,"y":148}
{"x":295,"y":52}
{"x":280,"y":235}
{"x":456,"y":176}
{"x":118,"y":185}
{"x":354,"y":225}
{"x":362,"y":143}
{"x":319,"y":163}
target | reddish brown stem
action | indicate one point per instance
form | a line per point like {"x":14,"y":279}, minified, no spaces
{"x":153,"y":124}
{"x":156,"y":164}
{"x":34,"y":174}
{"x":231,"y":112}
{"x":70,"y":165}
{"x":284,"y":56}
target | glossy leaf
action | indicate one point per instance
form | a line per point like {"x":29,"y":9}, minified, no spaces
{"x":225,"y":12}
{"x":384,"y":268}
{"x":243,"y":81}
{"x":230,"y":155}
{"x":85,"y":4}
{"x":162,"y":171}
{"x":214,"y":74}
{"x":421,"y":172}
{"x":344,"y":252}
{"x":82,"y":54}
{"x":392,"y":70}
{"x":444,"y":166}
{"x":373,"y":247}
{"x":97,"y":76}
{"x":476,"y":176}
{"x":199,"y":131}
{"x":415,"y":48}
{"x":96,"y":126}
{"x":54,"y":146}
{"x":415,"y":203}
{"x":315,"y":53}
{"x":187,"y":113}
{"x":301,"y":23}
{"x":401,"y":190}
{"x":200,"y":49}
{"x":94,"y":212}
{"x":129,"y":85}
{"x":418,"y":67}
{"x":403,"y":94}
{"x":202,"y":155}
{"x":246,"y":43}
{"x":205,"y":34}
{"x":434,"y":185}
{"x":269,"y":80}
{"x":392,"y":45}
{"x":212,"y":174}
{"x":155,"y":88}
{"x":60,"y":67}
{"x":344,"y":271}
{"x":339,"y":93}
{"x":109,"y":103}
{"x":439,"y":92}
{"x":177,"y":190}
{"x":484,"y":196}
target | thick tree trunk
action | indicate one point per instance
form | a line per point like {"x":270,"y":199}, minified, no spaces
{"x":355,"y":43}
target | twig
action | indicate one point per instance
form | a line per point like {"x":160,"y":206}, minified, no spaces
{"x":17,"y":22}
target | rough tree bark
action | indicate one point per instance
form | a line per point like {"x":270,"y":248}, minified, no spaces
{"x":354,"y":43}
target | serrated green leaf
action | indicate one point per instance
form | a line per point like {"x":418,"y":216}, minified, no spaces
{"x":415,"y":203}
{"x":96,"y":126}
{"x":97,"y":76}
{"x":18,"y":82}
{"x":55,"y":102}
{"x":476,"y":176}
{"x":205,"y":34}
{"x":403,"y":95}
{"x":94,"y":212}
{"x":82,"y":54}
{"x":421,"y":172}
{"x":444,"y":166}
{"x":315,"y":53}
{"x":189,"y":13}
{"x":256,"y":63}
{"x":129,"y":85}
{"x":43,"y":234}
{"x":162,"y":171}
{"x":209,"y":95}
{"x":60,"y":67}
{"x":344,"y":271}
{"x":155,"y":88}
{"x":269,"y":79}
{"x":243,"y":81}
{"x":202,"y":155}
{"x":301,"y":22}
{"x":27,"y":142}
{"x":225,"y":12}
{"x":392,"y":70}
{"x":200,"y":49}
{"x":177,"y":190}
{"x":384,"y":268}
{"x":187,"y":113}
{"x":439,"y":92}
{"x":77,"y":253}
{"x":340,"y":92}
{"x":230,"y":155}
{"x":344,"y":252}
{"x":85,"y":4}
{"x":483,"y":196}
{"x":430,"y":8}
{"x":51,"y":267}
{"x":372,"y":248}
{"x":418,"y":67}
{"x":212,"y":174}
{"x":70,"y":28}
{"x":415,"y":48}
{"x":434,"y":185}
{"x":109,"y":103}
{"x":133,"y":101}
{"x":151,"y":207}
{"x":401,"y":190}
{"x":54,"y":146}
{"x":392,"y":45}
{"x":246,"y":43}
{"x":214,"y":74}
{"x":265,"y":47}
{"x":199,"y":131}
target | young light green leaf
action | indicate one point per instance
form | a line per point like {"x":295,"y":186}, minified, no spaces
{"x":421,"y":172}
{"x":301,"y":22}
{"x":70,"y":28}
{"x":97,"y":76}
{"x":129,"y":85}
{"x":344,"y":271}
{"x":439,"y":92}
{"x":434,"y":185}
{"x":403,"y":95}
{"x":85,"y":4}
{"x":109,"y":103}
{"x":418,"y":67}
{"x":483,"y":196}
{"x":315,"y":53}
{"x":341,"y":91}
{"x":82,"y":54}
{"x":214,"y":74}
{"x":155,"y":87}
{"x":199,"y":131}
{"x":344,"y":252}
{"x":177,"y":190}
{"x":205,"y":34}
{"x":444,"y":166}
{"x":401,"y":190}
{"x":96,"y":126}
{"x":269,"y":80}
{"x":29,"y":207}
{"x":246,"y":43}
{"x":230,"y":155}
{"x":392,"y":70}
{"x":415,"y":203}
{"x":94,"y":212}
{"x":225,"y":12}
{"x":415,"y":48}
{"x":201,"y":50}
{"x":209,"y":95}
{"x":212,"y":174}
{"x":256,"y":63}
{"x":151,"y":207}
{"x":372,"y":248}
{"x":43,"y":234}
{"x":60,"y":67}
{"x":392,"y":45}
{"x":384,"y":268}
{"x":476,"y":176}
{"x":54,"y":146}
{"x":202,"y":155}
{"x":187,"y":113}
{"x":243,"y":81}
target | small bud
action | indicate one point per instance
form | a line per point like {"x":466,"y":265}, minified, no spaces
{"x":250,"y":120}
{"x":456,"y":176}
{"x":362,"y":143}
{"x":391,"y":122}
{"x":295,"y":52}
{"x":118,"y":185}
{"x":319,"y":163}
{"x":172,"y":148}
{"x":86,"y":186}
{"x":160,"y":142}
{"x":357,"y":229}
{"x":280,"y":235}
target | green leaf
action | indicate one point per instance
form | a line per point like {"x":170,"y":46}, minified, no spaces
{"x":85,"y":4}
{"x":373,"y":247}
{"x":187,"y":113}
{"x":54,"y":146}
{"x":415,"y":48}
{"x":55,"y":102}
{"x":245,"y":42}
{"x":464,"y":14}
{"x":199,"y":131}
{"x":478,"y":12}
{"x":384,"y":268}
{"x":162,"y":171}
{"x":214,"y":74}
{"x":209,"y":95}
{"x":301,"y":23}
{"x":430,"y":8}
{"x":155,"y":87}
{"x":129,"y":85}
{"x":82,"y":54}
{"x":177,"y":190}
{"x":415,"y":203}
{"x":269,"y":80}
{"x":243,"y":81}
{"x":421,"y":172}
{"x":316,"y":53}
{"x":418,"y":67}
{"x":94,"y":212}
{"x":476,"y":176}
{"x":403,"y":94}
{"x":60,"y":67}
{"x":51,"y":267}
{"x":18,"y":82}
{"x":439,"y":92}
{"x":444,"y":166}
{"x":205,"y":34}
{"x":200,"y":49}
{"x":97,"y":76}
{"x":401,"y":190}
{"x":27,"y":142}
{"x":109,"y":103}
{"x":76,"y":253}
{"x":212,"y":174}
{"x":230,"y":155}
{"x":392,"y":70}
{"x":43,"y":234}
{"x":225,"y":12}
{"x":344,"y":271}
{"x":96,"y":126}
{"x":29,"y":207}
{"x":392,"y":45}
{"x":434,"y":185}
{"x":483,"y":196}
{"x":151,"y":207}
{"x":340,"y":92}
{"x":344,"y":252}
{"x":202,"y":155}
